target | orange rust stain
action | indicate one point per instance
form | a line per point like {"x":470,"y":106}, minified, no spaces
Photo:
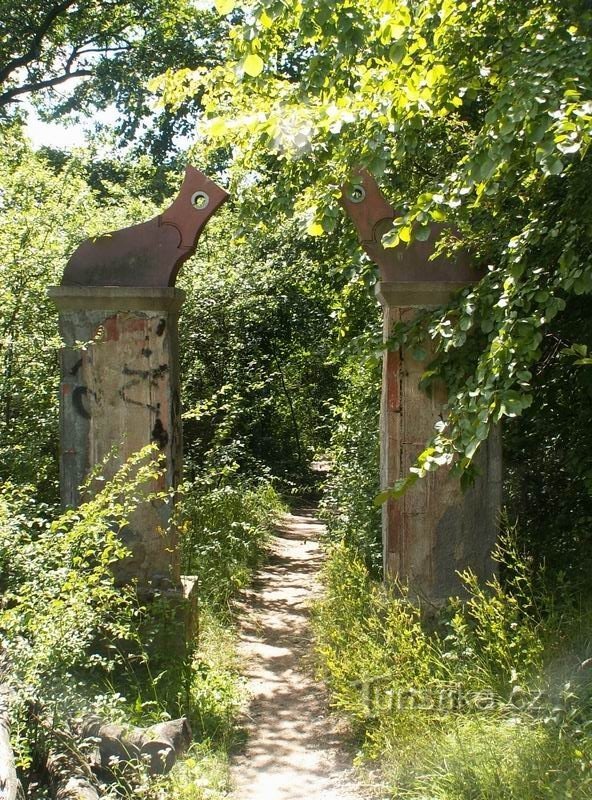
{"x":111,"y":328}
{"x":115,"y":326}
{"x":66,"y":389}
{"x":393,"y":365}
{"x":133,"y":324}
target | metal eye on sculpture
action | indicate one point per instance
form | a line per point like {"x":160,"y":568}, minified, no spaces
{"x":357,"y":194}
{"x":200,"y":200}
{"x":151,"y":253}
{"x":373,"y":216}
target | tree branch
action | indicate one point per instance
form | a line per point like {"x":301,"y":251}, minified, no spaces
{"x":71,"y":59}
{"x":10,"y":95}
{"x":118,"y":49}
{"x":35,"y":49}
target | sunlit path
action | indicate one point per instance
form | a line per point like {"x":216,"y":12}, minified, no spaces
{"x":294,"y":748}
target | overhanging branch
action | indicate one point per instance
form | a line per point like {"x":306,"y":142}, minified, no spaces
{"x":11,"y":95}
{"x":35,"y":49}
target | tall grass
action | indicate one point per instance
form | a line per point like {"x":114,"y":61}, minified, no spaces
{"x":489,"y":700}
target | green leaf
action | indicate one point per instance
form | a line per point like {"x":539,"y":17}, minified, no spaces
{"x":315,"y":229}
{"x":253,"y":65}
{"x":217,"y":127}
{"x":397,"y":52}
{"x":381,"y":498}
{"x":434,"y":74}
{"x":554,"y":166}
{"x":397,"y":490}
{"x":224,"y":7}
{"x":405,"y":233}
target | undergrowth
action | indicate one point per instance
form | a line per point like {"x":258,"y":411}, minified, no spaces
{"x":225,"y":526}
{"x":347,"y":505}
{"x":74,"y":642}
{"x":487,"y":699}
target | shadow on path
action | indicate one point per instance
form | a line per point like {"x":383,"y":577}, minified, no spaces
{"x":294,"y":749}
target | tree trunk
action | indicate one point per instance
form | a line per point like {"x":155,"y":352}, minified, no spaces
{"x":10,"y":786}
{"x":71,"y":777}
{"x":159,"y":746}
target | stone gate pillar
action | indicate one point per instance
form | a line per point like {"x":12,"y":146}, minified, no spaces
{"x":120,"y":392}
{"x":118,"y":311}
{"x":434,"y":530}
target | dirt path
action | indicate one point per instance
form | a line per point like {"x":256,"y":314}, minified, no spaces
{"x":294,"y":750}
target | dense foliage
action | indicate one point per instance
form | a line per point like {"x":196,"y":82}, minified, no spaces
{"x":489,"y":699}
{"x":474,"y":113}
{"x":547,"y":458}
{"x":347,"y":506}
{"x":256,"y":342}
{"x":79,"y":55}
{"x":478,"y":114}
{"x":73,"y":642}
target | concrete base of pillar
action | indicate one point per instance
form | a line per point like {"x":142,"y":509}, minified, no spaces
{"x":436,"y":531}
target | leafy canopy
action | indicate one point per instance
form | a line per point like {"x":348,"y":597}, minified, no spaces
{"x":477,"y":113}
{"x":103,"y":53}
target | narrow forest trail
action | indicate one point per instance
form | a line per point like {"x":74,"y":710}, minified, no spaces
{"x":294,"y":749}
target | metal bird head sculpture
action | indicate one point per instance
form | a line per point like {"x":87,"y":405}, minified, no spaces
{"x":373,"y":216}
{"x":149,"y":254}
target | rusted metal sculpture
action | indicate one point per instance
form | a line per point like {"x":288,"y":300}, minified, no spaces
{"x":433,"y":531}
{"x":151,"y":253}
{"x":373,"y":216}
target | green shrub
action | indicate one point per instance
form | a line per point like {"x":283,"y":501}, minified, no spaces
{"x":74,"y":642}
{"x":255,"y":345}
{"x":67,"y":629}
{"x":347,"y":507}
{"x":202,"y":775}
{"x":440,"y":699}
{"x":225,"y":527}
{"x":547,"y":457}
{"x":365,"y":638}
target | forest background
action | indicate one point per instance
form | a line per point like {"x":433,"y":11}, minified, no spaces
{"x":475,"y":113}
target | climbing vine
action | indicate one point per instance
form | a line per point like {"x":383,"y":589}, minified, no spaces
{"x":478,"y":114}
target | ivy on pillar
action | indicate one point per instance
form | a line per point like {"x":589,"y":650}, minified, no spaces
{"x":435,"y":530}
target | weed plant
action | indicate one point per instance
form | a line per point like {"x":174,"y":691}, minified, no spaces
{"x":74,"y":642}
{"x":225,"y":525}
{"x":487,"y":699}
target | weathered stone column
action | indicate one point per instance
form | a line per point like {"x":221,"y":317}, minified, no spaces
{"x":434,"y":530}
{"x":118,"y":310}
{"x":120,"y":392}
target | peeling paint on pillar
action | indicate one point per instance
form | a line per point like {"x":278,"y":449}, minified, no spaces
{"x":127,"y":384}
